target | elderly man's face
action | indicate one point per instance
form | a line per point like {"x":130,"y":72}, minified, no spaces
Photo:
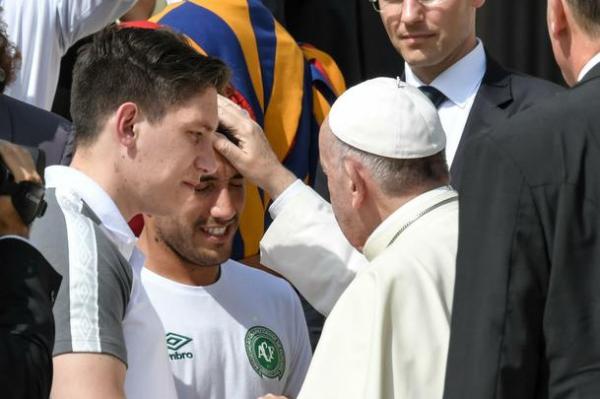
{"x":430,"y":36}
{"x":201,"y":232}
{"x":340,"y":189}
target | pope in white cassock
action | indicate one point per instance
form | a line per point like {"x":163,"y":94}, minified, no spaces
{"x":382,"y":149}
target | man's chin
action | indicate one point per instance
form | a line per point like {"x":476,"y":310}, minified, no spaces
{"x":212,"y":257}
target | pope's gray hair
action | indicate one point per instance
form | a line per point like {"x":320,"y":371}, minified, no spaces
{"x":398,"y":176}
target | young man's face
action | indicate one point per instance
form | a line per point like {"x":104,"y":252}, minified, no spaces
{"x":173,"y":153}
{"x":430,"y":35}
{"x":202,"y":230}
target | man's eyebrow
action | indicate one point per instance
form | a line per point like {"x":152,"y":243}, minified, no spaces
{"x":207,"y":178}
{"x":202,"y":127}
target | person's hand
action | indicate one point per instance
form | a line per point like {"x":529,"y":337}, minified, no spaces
{"x":271,"y":396}
{"x":253,"y":157}
{"x":21,"y":165}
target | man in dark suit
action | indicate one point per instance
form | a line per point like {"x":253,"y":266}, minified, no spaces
{"x":28,"y":285}
{"x":438,"y":42}
{"x":526,"y":316}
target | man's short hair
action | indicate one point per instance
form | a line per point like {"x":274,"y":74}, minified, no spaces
{"x":398,"y":177}
{"x":156,"y":69}
{"x":587,"y":13}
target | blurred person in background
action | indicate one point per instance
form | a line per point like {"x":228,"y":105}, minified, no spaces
{"x":43,"y":31}
{"x":28,"y":283}
{"x":24,"y":124}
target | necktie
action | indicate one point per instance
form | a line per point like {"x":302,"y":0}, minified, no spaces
{"x":434,"y":95}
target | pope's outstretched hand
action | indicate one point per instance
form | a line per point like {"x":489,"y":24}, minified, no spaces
{"x":252,"y":156}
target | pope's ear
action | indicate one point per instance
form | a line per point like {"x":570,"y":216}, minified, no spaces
{"x":126,"y":117}
{"x":357,"y":184}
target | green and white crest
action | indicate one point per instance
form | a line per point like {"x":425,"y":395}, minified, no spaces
{"x":265,"y":352}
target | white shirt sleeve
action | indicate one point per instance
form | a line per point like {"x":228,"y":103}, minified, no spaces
{"x":80,"y":18}
{"x":305,"y":245}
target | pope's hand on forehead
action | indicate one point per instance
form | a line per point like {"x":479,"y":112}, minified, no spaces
{"x":253,"y":156}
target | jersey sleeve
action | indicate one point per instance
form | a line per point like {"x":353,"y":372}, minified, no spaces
{"x":97,"y":281}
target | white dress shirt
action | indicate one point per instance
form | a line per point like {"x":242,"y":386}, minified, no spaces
{"x":460,"y":84}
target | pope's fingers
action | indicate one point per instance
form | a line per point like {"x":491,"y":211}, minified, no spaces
{"x":226,"y":102}
{"x":226,"y":148}
{"x":229,"y":107}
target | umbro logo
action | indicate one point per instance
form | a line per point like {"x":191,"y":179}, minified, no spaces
{"x":176,"y":342}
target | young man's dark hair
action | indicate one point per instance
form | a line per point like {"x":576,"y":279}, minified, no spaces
{"x":155,"y":69}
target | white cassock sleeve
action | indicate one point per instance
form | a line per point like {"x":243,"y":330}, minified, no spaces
{"x":306,"y":246}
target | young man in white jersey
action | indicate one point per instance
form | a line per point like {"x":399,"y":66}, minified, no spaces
{"x":144,"y":107}
{"x":231,"y":331}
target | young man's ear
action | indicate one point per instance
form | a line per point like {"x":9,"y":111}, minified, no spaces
{"x":128,"y":114}
{"x":357,"y":186}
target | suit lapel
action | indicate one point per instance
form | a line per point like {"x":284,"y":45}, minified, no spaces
{"x":493,"y":97}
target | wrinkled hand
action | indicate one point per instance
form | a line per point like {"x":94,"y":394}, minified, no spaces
{"x":271,"y":396}
{"x":253,"y":157}
{"x":20,"y":163}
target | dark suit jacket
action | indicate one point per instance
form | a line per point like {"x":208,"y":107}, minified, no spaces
{"x":25,"y":124}
{"x":28,"y":285}
{"x":526,"y":314}
{"x":502,"y":94}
